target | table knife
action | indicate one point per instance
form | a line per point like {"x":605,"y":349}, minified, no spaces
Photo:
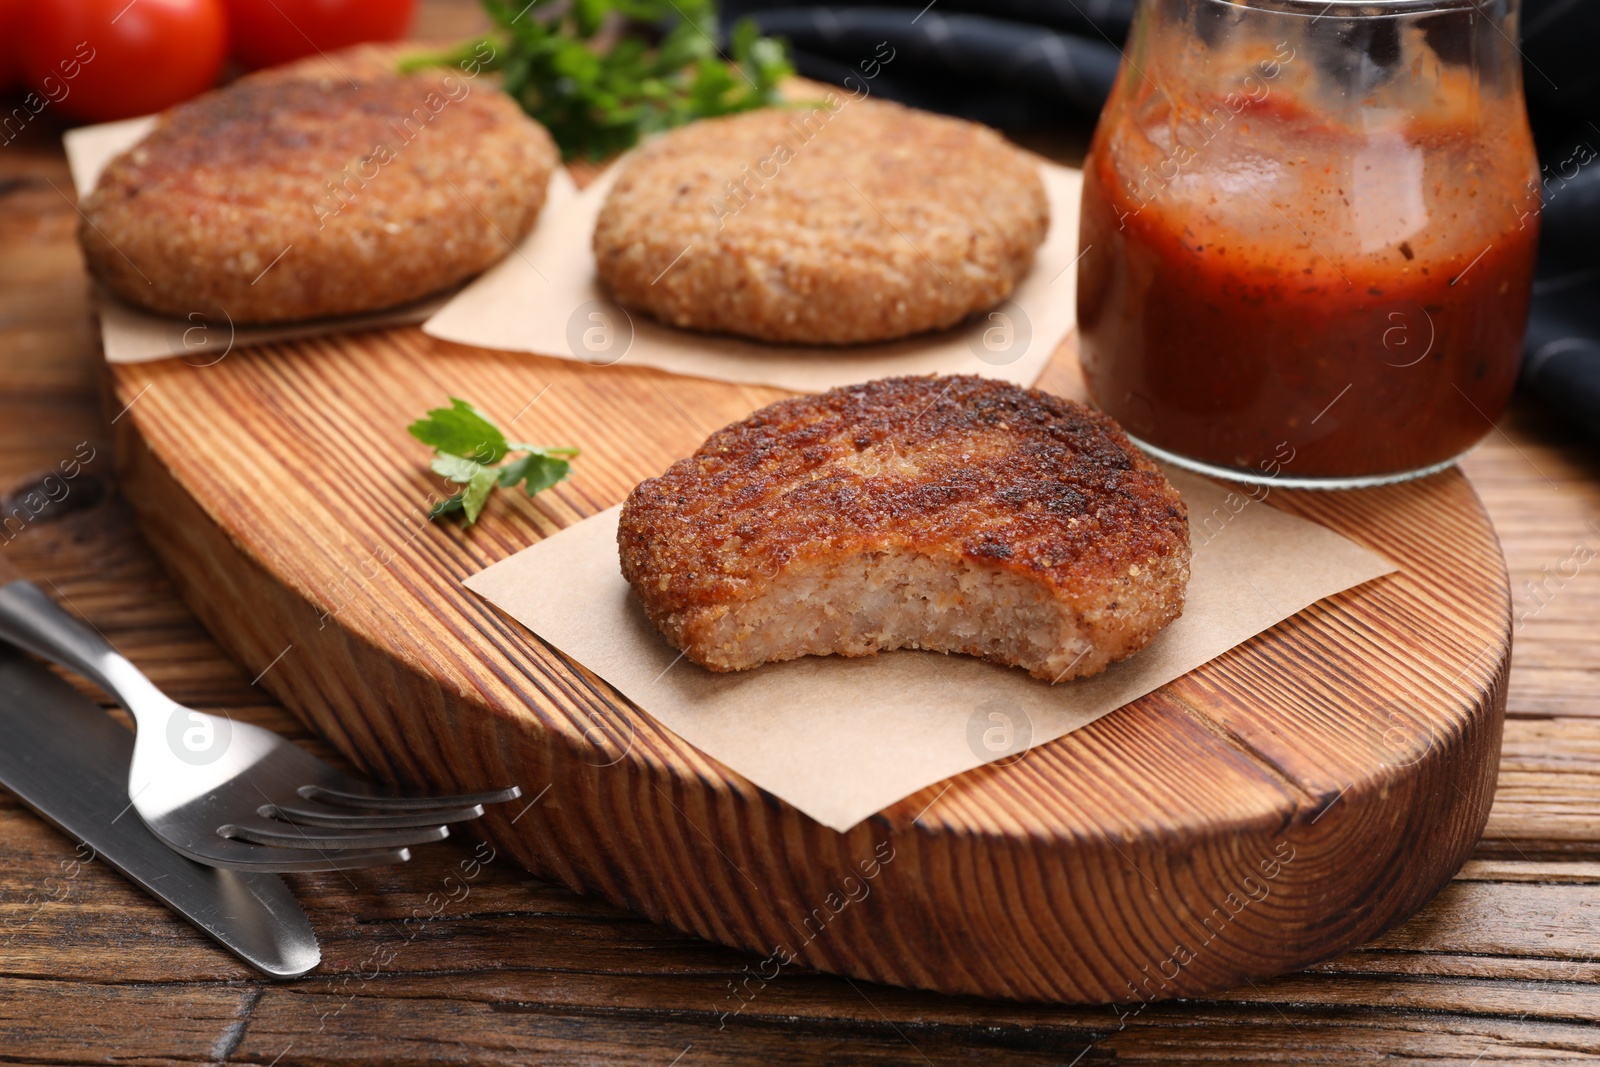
{"x":68,"y":760}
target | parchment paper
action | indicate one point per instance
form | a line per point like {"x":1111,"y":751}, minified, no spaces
{"x":841,"y":738}
{"x":547,"y":300}
{"x":132,"y":335}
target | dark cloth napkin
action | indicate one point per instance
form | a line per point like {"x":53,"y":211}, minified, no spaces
{"x":1561,"y":361}
{"x":1017,"y":64}
{"x":1031,"y":65}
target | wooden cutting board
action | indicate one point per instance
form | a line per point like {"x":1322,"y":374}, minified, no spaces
{"x":1288,"y":801}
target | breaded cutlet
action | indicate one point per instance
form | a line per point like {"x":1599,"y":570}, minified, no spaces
{"x":327,"y":187}
{"x":821,"y":226}
{"x":955,"y":514}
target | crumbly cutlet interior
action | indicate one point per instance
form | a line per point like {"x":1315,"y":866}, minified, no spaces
{"x":900,"y":599}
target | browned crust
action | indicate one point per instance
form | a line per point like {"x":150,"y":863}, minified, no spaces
{"x":1014,"y":479}
{"x":876,"y":222}
{"x":382,"y":188}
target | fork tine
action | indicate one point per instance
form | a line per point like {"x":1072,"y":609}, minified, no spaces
{"x":264,"y":859}
{"x":374,"y":798}
{"x":345,"y":819}
{"x":279,"y":835}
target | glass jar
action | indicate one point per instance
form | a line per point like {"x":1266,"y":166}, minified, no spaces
{"x":1308,"y":235}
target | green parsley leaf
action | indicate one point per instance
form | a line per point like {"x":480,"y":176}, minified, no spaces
{"x":462,"y":428}
{"x":600,"y":74}
{"x":455,"y":468}
{"x":538,"y":470}
{"x":448,"y":506}
{"x":477,"y":494}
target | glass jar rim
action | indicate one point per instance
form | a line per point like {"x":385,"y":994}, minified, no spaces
{"x":1358,"y":9}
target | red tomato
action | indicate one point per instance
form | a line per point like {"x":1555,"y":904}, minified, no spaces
{"x":10,"y":43}
{"x":113,"y":59}
{"x":269,"y":32}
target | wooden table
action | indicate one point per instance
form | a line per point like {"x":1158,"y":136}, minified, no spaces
{"x":1504,"y":966}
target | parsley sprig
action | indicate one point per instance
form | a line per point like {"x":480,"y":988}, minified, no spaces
{"x":471,"y":452}
{"x":600,"y":74}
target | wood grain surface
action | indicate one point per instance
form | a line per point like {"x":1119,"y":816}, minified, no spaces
{"x":1500,"y":967}
{"x":1283,"y":803}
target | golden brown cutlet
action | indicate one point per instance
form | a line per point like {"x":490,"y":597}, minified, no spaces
{"x":957,"y":514}
{"x":817,"y":226}
{"x":328,"y":187}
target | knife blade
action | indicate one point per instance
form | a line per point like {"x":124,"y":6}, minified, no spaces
{"x":68,"y":760}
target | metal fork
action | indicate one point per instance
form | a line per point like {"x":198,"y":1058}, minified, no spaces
{"x":226,"y":793}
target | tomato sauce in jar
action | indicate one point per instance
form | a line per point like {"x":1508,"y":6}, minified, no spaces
{"x":1271,"y":289}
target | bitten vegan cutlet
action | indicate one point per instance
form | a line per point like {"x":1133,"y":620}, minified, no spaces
{"x":954,"y":514}
{"x":822,"y":226}
{"x":328,"y":187}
